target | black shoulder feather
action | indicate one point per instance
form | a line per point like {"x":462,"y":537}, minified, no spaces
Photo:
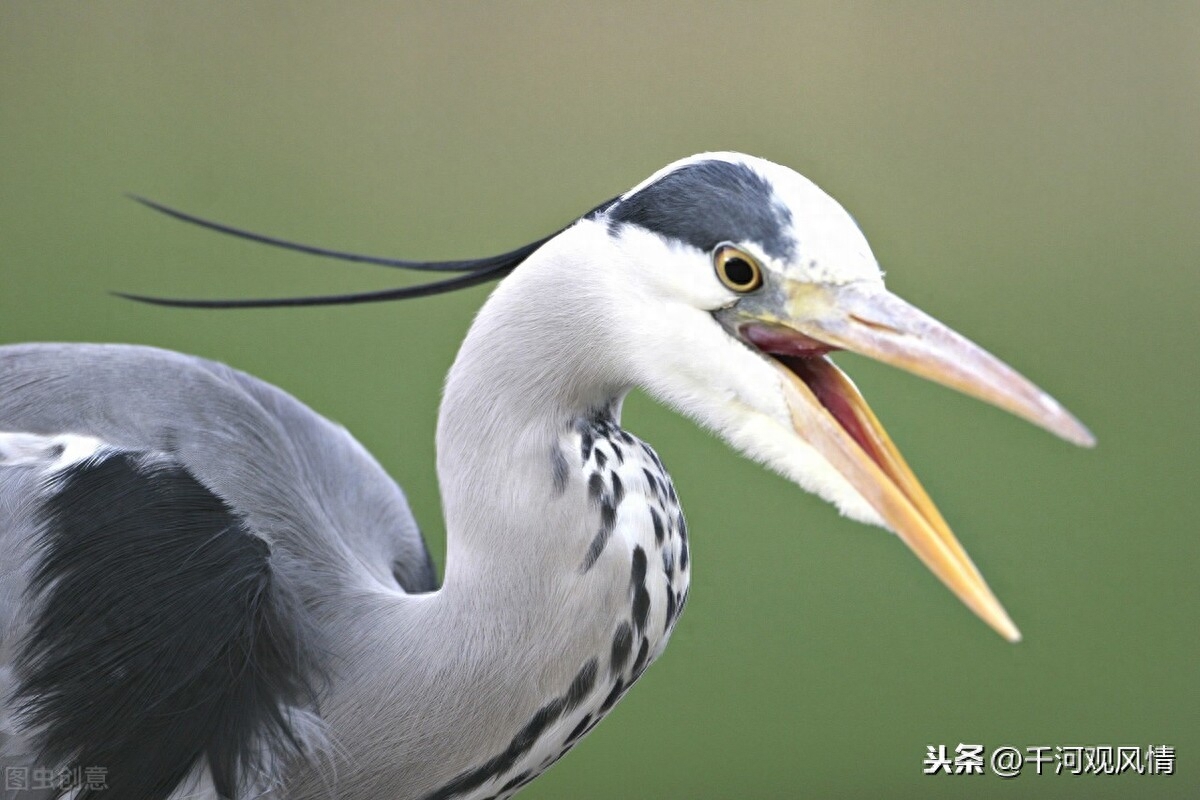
{"x":162,"y":635}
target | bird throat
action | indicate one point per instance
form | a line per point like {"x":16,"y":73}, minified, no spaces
{"x":637,"y":554}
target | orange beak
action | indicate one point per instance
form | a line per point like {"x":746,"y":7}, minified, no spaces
{"x":830,"y":414}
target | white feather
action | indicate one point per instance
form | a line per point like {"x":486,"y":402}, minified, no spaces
{"x":50,"y":453}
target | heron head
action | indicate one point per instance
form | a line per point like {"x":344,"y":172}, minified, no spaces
{"x":722,"y":284}
{"x":749,"y":277}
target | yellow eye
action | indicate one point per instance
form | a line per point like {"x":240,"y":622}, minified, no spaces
{"x":737,"y":269}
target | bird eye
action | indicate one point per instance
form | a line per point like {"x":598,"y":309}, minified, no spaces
{"x":737,"y":269}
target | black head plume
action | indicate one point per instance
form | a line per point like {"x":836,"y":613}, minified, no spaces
{"x":477,"y":270}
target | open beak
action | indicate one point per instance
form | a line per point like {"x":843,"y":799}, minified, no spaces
{"x":830,"y":414}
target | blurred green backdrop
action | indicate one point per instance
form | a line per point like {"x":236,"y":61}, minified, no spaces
{"x":1026,"y":172}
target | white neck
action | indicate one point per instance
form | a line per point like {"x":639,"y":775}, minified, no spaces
{"x":533,"y":363}
{"x":525,"y":612}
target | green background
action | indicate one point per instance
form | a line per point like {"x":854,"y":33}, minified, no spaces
{"x":1026,"y":172}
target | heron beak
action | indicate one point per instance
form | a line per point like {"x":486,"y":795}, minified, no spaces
{"x":830,"y":414}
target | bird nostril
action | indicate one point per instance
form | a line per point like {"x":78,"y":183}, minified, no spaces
{"x":879,"y":326}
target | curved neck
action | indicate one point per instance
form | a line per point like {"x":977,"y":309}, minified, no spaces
{"x":533,"y":363}
{"x":566,"y":557}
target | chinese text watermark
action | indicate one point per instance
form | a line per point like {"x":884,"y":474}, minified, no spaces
{"x":1008,"y":761}
{"x":19,"y":779}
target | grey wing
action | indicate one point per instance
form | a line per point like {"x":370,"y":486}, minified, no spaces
{"x":160,"y":515}
{"x":299,"y":480}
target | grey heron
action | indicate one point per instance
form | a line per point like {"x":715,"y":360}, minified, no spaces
{"x":209,"y":590}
